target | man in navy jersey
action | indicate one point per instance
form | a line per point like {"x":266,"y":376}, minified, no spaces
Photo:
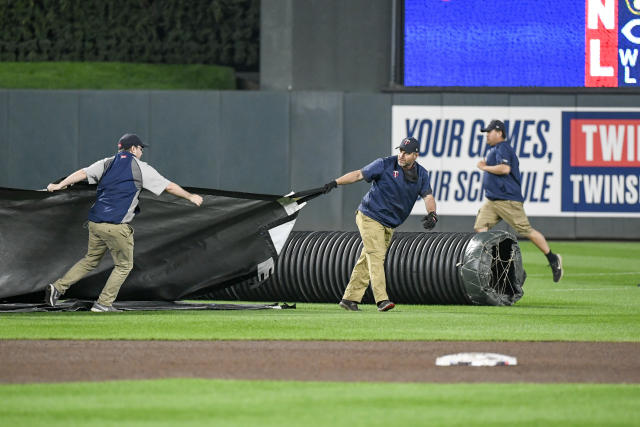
{"x":501,"y":183}
{"x":396,"y":184}
{"x":120,"y":180}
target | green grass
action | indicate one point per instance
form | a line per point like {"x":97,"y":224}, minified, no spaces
{"x":278,"y":403}
{"x":114,"y":75}
{"x":597,"y":300}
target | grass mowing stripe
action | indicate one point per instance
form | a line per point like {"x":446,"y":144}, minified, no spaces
{"x":114,"y":75}
{"x":277,"y":403}
{"x":611,"y":289}
{"x":579,"y":308}
{"x":624,"y":273}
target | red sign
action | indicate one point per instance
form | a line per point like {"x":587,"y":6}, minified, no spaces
{"x":605,"y":142}
{"x":601,"y":43}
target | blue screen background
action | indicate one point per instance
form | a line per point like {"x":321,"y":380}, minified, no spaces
{"x":499,"y":43}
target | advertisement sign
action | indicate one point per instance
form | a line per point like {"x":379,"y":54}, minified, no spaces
{"x":534,"y":43}
{"x":600,"y":163}
{"x":573,"y":162}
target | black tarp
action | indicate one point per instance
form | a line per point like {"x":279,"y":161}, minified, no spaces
{"x":84,"y":305}
{"x":180,"y":250}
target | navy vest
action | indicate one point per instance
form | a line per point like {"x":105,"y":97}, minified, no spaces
{"x":118,"y":190}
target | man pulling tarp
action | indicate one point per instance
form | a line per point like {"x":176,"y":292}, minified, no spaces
{"x":180,"y":251}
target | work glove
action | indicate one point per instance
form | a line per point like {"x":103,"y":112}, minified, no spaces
{"x":429,"y":221}
{"x":330,"y":186}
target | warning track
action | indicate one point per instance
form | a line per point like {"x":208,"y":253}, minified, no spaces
{"x":539,"y":362}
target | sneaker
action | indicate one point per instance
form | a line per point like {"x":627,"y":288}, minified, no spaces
{"x":99,"y":308}
{"x":556,"y":268}
{"x":51,"y":295}
{"x":385,"y":305}
{"x":349,"y":305}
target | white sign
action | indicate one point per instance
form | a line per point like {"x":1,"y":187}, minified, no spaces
{"x":560,"y":169}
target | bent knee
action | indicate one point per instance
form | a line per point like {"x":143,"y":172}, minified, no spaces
{"x":375,"y":254}
{"x":125,"y":266}
{"x":524,"y":230}
{"x":92,"y":261}
{"x":532,"y":233}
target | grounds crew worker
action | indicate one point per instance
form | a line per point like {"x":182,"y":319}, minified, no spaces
{"x":397,"y":181}
{"x":120,"y":180}
{"x":502,"y":185}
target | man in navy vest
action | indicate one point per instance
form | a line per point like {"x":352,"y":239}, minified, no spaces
{"x":501,"y":182}
{"x":120,"y":180}
{"x":396,"y":184}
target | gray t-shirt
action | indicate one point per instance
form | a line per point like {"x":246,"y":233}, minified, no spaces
{"x":144,"y":176}
{"x":151,"y":178}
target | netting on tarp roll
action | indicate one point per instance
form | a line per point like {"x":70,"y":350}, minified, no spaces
{"x":421,"y":268}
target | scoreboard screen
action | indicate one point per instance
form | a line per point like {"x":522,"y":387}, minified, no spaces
{"x":524,"y":43}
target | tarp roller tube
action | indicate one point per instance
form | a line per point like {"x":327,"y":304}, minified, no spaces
{"x":421,"y":268}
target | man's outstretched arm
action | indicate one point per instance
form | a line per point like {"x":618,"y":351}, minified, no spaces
{"x":77,"y":176}
{"x":176,"y":190}
{"x":350,"y":178}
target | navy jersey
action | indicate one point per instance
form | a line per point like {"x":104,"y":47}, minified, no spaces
{"x":391,"y":197}
{"x":120,"y":180}
{"x":503,"y":187}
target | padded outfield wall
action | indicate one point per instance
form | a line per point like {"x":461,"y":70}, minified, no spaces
{"x":274,"y":142}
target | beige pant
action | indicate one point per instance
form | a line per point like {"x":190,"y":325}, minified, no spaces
{"x":370,"y":266}
{"x":118,"y":238}
{"x":512,"y":212}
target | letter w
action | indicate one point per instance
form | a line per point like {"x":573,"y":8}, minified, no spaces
{"x":628,"y":57}
{"x":612,"y":142}
{"x":592,"y":188}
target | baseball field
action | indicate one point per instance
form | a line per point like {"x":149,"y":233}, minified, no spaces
{"x":577,"y":344}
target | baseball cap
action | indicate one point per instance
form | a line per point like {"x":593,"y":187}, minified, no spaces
{"x":494,"y":124}
{"x":409,"y":145}
{"x":129,"y":140}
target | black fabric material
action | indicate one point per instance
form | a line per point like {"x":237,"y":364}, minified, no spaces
{"x":329,"y":186}
{"x":411,"y":175}
{"x":429,"y":221}
{"x":551,"y":257}
{"x":306,"y":195}
{"x":84,"y":305}
{"x":180,"y":250}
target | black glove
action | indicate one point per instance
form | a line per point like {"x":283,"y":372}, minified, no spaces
{"x":330,"y":186}
{"x":429,"y":221}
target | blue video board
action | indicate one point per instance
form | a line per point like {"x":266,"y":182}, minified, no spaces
{"x":507,"y":43}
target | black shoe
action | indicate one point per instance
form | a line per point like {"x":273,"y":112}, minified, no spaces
{"x":556,"y":268}
{"x":51,"y":295}
{"x":99,"y":308}
{"x":349,"y":305}
{"x":385,"y":305}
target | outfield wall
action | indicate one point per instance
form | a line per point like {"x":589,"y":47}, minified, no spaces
{"x":272,"y":142}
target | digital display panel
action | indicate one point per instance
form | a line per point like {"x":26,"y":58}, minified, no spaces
{"x":525,"y":43}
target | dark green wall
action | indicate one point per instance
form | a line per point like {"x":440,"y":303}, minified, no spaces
{"x":265,"y":142}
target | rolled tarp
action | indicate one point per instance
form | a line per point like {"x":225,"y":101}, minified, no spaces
{"x":421,"y":268}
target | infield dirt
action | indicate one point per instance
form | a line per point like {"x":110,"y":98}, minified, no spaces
{"x":26,"y":361}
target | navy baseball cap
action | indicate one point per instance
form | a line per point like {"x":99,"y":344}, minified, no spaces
{"x":129,"y":140}
{"x":409,"y":145}
{"x":494,"y":124}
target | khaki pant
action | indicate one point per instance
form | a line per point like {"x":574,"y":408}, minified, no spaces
{"x":370,"y":266}
{"x":512,"y":212}
{"x":118,"y":238}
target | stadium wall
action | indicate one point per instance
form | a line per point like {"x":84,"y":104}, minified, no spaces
{"x":325,"y":45}
{"x":268,"y":142}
